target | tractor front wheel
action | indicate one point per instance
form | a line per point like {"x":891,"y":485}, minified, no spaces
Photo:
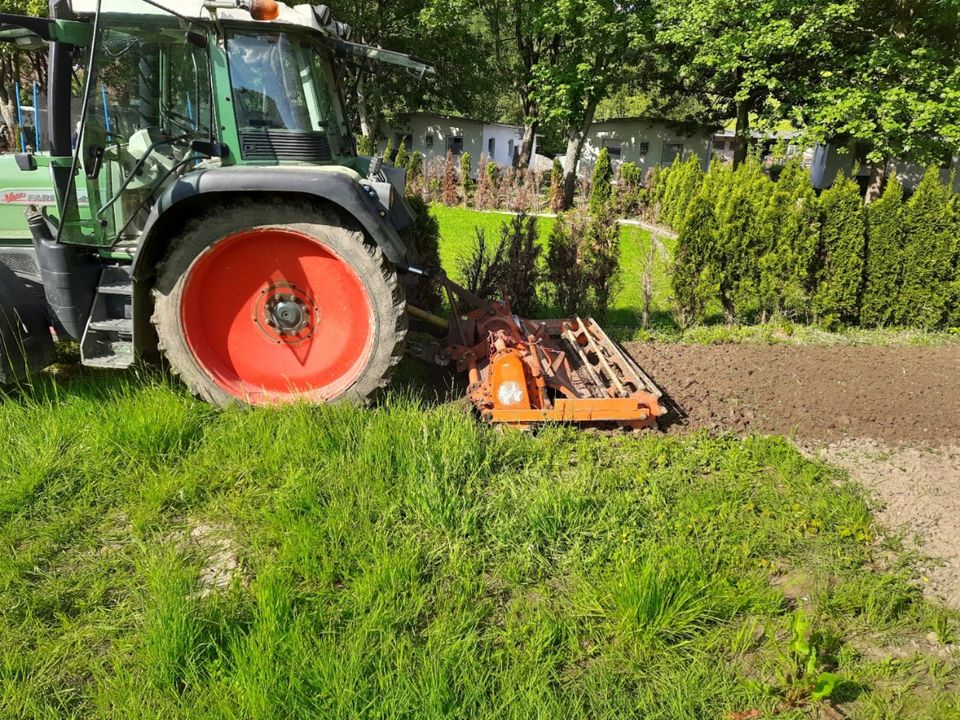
{"x":267,"y":303}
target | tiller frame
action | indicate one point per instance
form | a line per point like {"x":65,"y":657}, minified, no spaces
{"x":524,"y":372}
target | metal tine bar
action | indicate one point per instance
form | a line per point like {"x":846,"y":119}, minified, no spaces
{"x":643,"y":379}
{"x":571,"y":340}
{"x":602,"y":359}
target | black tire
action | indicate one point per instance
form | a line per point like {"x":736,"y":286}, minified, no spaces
{"x":388,"y":321}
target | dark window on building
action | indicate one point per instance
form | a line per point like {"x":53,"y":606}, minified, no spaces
{"x":405,"y":139}
{"x":946,"y":162}
{"x":720,"y":145}
{"x":510,"y":148}
{"x":455,"y":145}
{"x":644,"y":148}
{"x":672,"y":152}
{"x":491,"y":147}
{"x":428,"y":142}
{"x":614,"y":151}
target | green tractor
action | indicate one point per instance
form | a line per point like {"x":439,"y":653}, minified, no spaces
{"x":200,"y":197}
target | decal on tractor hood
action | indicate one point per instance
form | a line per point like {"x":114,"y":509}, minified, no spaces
{"x":34,"y":196}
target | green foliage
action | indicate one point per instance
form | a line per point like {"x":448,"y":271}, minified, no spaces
{"x":556,"y":186}
{"x":465,"y":182}
{"x":676,"y":189}
{"x":801,"y":679}
{"x":423,"y":235}
{"x":388,"y":152}
{"x":601,"y":184}
{"x":884,"y":267}
{"x":583,"y":262}
{"x":630,"y":193}
{"x":928,"y":255}
{"x":365,"y":146}
{"x":567,"y":270}
{"x":603,"y":260}
{"x":510,"y":269}
{"x":450,"y":196}
{"x":839,"y":274}
{"x":402,"y":157}
{"x":691,"y":276}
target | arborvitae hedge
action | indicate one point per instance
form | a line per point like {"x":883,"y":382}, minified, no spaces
{"x":695,"y":249}
{"x":402,"y":156}
{"x":884,"y":263}
{"x":759,"y":248}
{"x":928,"y":255}
{"x":841,"y":251}
{"x":556,"y":186}
{"x":601,"y":189}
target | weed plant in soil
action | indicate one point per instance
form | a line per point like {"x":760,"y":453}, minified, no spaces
{"x":165,"y":559}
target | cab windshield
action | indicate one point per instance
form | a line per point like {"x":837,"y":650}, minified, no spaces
{"x":285,"y":83}
{"x":267,"y":84}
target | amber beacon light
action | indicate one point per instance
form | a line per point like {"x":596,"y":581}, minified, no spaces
{"x":264,"y":10}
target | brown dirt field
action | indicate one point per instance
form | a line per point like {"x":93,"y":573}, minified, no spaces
{"x":890,"y":416}
{"x":821,"y":394}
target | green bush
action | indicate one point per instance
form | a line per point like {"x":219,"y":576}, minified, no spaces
{"x":402,"y":156}
{"x":365,"y":146}
{"x":839,"y":274}
{"x":680,"y":186}
{"x":556,"y":186}
{"x":423,"y":235}
{"x":696,"y":245}
{"x":603,"y":259}
{"x":583,"y":252}
{"x":928,"y":257}
{"x":415,"y":172}
{"x":630,"y":191}
{"x":388,"y":152}
{"x":566,"y":265}
{"x":601,"y":188}
{"x":465,"y":182}
{"x":884,"y":262}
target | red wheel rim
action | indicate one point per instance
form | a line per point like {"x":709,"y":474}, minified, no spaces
{"x":274,"y":315}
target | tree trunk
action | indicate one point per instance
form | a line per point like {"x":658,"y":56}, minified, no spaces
{"x":366,"y":126}
{"x":526,"y":146}
{"x":571,"y":160}
{"x":741,"y":141}
{"x":878,"y":175}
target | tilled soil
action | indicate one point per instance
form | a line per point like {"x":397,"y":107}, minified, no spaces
{"x":890,"y":416}
{"x":823,"y":394}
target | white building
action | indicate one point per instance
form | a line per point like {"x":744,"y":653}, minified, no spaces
{"x":646,"y":142}
{"x":830,"y":159}
{"x":433,"y":134}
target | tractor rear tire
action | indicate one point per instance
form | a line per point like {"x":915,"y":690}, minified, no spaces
{"x":274,"y":302}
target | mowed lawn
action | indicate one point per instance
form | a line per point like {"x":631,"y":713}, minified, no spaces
{"x":458,"y":237}
{"x":163,"y":559}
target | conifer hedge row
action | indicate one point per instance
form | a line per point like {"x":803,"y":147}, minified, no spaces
{"x":758,"y":247}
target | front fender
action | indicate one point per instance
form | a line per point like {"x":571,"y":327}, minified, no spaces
{"x":335,"y":186}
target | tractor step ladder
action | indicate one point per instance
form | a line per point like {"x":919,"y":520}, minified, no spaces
{"x":108,"y":339}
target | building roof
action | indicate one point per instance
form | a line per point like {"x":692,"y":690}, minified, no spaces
{"x":686,"y":126}
{"x":446,"y":116}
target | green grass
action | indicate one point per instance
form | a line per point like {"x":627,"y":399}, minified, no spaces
{"x":404,"y":561}
{"x":458,"y":230}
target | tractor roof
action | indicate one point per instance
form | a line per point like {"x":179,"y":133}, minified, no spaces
{"x":300,"y":16}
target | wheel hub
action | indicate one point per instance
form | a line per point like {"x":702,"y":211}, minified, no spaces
{"x":285,"y":313}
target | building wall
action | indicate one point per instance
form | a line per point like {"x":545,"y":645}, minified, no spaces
{"x":829,"y":159}
{"x":432,"y":135}
{"x":644,"y":143}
